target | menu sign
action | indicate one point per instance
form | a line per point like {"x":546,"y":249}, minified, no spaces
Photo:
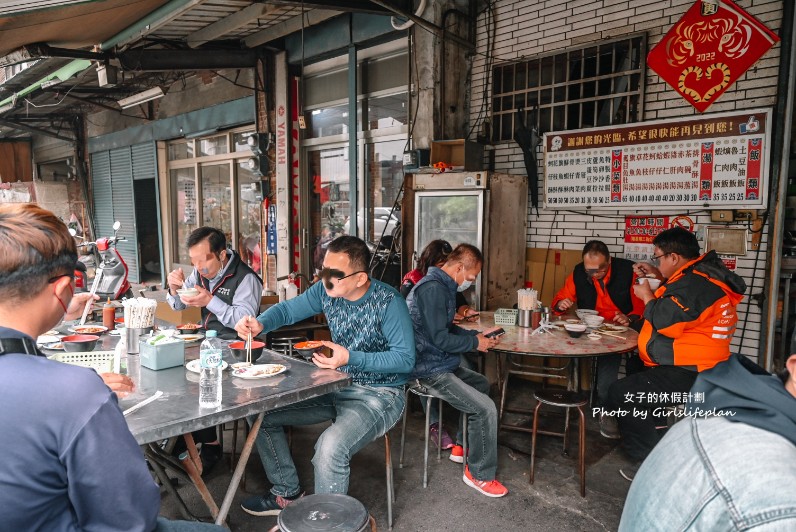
{"x":716,"y":161}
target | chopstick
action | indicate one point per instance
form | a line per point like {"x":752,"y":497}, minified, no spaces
{"x":609,"y":334}
{"x":249,"y":348}
{"x":145,"y":402}
{"x":90,"y":300}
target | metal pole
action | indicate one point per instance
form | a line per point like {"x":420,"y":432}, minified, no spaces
{"x":239,"y":469}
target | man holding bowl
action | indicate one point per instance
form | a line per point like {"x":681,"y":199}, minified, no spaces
{"x":372,"y":340}
{"x":221,"y":285}
{"x":689,"y":323}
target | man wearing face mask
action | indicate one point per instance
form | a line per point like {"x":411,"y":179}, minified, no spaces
{"x":228,"y":288}
{"x":372,"y":341}
{"x":439,"y":344}
{"x":69,"y":460}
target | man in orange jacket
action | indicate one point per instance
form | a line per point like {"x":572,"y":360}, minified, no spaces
{"x":605,"y":285}
{"x":689,"y":324}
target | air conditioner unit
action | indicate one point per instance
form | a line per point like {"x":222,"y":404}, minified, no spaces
{"x":142,"y":97}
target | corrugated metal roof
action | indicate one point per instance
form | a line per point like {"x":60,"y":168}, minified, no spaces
{"x":18,"y":7}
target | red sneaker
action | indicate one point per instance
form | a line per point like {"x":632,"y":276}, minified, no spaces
{"x":457,"y":454}
{"x":490,"y":488}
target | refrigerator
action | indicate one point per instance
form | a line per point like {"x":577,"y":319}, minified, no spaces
{"x":485,"y":209}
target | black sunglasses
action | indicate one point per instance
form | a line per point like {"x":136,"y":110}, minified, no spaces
{"x":328,"y":273}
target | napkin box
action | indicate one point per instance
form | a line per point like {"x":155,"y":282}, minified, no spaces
{"x":161,"y":356}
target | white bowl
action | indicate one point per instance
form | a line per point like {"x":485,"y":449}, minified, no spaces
{"x":653,"y":282}
{"x":575,"y":327}
{"x":582,"y":312}
{"x":187,"y":292}
{"x":593,"y":321}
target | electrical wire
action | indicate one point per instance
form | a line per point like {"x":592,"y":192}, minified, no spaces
{"x":490,"y":45}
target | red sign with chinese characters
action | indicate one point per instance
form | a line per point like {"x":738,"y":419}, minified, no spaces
{"x":644,"y":229}
{"x":708,"y":49}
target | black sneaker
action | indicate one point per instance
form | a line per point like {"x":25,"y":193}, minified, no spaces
{"x":609,"y":428}
{"x":268,"y":504}
{"x":629,"y":472}
{"x":210,"y":455}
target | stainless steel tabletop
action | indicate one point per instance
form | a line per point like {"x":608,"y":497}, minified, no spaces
{"x":177,"y":410}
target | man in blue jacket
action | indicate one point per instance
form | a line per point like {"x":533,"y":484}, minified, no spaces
{"x":731,"y":464}
{"x":371,"y":340}
{"x":69,"y":460}
{"x":439,"y":345}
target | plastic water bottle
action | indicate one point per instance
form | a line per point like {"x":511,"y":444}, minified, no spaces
{"x":210,"y":372}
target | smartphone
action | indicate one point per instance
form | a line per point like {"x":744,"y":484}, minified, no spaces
{"x":495,"y":333}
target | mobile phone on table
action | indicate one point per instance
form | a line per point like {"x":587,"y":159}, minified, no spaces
{"x":495,"y":333}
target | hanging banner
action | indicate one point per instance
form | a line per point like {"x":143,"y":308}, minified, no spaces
{"x":715,"y":161}
{"x":709,"y":48}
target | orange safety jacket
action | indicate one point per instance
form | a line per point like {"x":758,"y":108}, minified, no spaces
{"x":604,"y":304}
{"x":691,"y":321}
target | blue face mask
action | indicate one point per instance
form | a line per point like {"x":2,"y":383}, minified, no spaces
{"x":464,"y":286}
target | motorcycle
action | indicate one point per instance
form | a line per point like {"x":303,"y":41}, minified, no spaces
{"x":110,"y":277}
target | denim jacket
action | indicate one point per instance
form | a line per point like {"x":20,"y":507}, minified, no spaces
{"x":438,"y":342}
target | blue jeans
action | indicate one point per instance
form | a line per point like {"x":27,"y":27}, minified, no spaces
{"x":714,"y":474}
{"x":466,"y":391}
{"x":359,"y":413}
{"x":469,"y":361}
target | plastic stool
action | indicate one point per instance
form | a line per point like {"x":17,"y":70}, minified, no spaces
{"x":567,"y":400}
{"x":326,"y":511}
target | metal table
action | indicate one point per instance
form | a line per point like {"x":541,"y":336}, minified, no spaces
{"x":519,"y":343}
{"x":177,"y":411}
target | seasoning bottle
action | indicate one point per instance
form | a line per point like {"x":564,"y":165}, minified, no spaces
{"x":108,"y":315}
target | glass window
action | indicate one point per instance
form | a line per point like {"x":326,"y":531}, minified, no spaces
{"x":328,"y":121}
{"x":385,"y":174}
{"x":249,"y":213}
{"x":387,"y":111}
{"x":185,"y":203}
{"x":180,"y":150}
{"x":594,"y":85}
{"x":213,"y":146}
{"x":217,"y":198}
{"x":329,"y":200}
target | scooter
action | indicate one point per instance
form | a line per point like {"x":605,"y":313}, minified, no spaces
{"x":110,"y":278}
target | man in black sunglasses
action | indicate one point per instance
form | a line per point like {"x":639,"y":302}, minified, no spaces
{"x":372,"y":340}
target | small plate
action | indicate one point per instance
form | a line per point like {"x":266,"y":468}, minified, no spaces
{"x":195,"y":365}
{"x":259,"y":371}
{"x":187,"y":338}
{"x":611,"y":328}
{"x":88,"y":329}
{"x":54,"y":347}
{"x":573,"y":322}
{"x":47,"y":339}
{"x":559,"y":322}
{"x":593,"y":336}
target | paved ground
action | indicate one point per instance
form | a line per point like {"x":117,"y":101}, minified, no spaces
{"x":553,"y":502}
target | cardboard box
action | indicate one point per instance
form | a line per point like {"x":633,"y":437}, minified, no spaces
{"x":161,"y":356}
{"x":177,"y":317}
{"x":547,"y":269}
{"x":458,"y":153}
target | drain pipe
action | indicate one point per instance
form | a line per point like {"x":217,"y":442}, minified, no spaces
{"x":779,"y":173}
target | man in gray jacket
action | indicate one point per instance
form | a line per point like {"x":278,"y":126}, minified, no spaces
{"x":439,"y":345}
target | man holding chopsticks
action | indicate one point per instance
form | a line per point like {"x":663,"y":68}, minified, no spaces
{"x":372,"y":340}
{"x":603,"y":284}
{"x":227,"y":289}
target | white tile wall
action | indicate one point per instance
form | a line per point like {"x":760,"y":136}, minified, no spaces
{"x":526,"y":28}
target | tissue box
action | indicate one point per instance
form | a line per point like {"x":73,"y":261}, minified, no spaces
{"x":161,"y":356}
